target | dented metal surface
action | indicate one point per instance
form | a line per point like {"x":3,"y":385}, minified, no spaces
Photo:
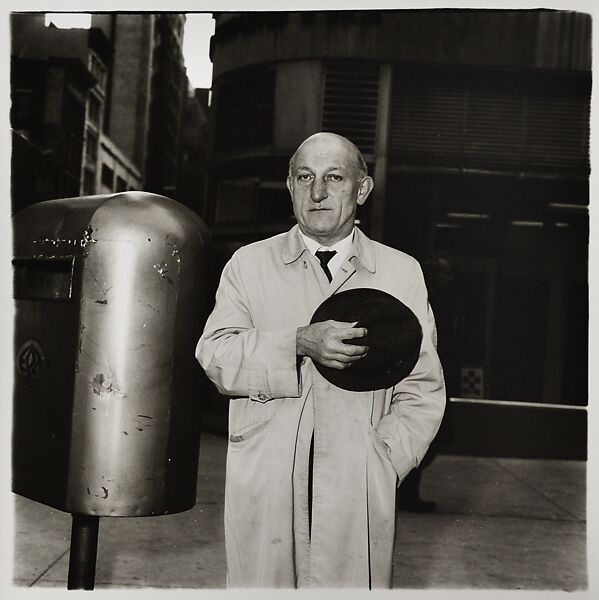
{"x":115,"y":408}
{"x":101,"y":387}
{"x":162,"y":269}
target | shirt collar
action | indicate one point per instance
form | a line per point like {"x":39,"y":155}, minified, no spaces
{"x":363,"y":248}
{"x":342,"y":247}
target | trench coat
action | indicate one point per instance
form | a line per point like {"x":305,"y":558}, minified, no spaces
{"x":364,"y":442}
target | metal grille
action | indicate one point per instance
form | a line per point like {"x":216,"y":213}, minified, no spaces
{"x":558,"y":132}
{"x":351,"y":101}
{"x":423,"y":134}
{"x":494,"y":128}
{"x":493,"y":121}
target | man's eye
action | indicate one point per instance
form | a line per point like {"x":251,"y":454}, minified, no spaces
{"x":334,"y":177}
{"x":304,"y":177}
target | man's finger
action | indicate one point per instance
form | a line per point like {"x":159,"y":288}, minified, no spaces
{"x":351,"y":349}
{"x":341,"y":324}
{"x":348,"y":358}
{"x":337,"y":364}
{"x":355,"y":332}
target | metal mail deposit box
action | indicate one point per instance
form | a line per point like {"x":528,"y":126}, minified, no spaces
{"x":110,"y":299}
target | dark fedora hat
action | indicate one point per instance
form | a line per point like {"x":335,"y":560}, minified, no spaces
{"x":394,"y":338}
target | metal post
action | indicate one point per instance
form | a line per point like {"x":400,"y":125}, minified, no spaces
{"x":84,"y":547}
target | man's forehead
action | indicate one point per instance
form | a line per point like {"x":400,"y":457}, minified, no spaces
{"x":331,"y":166}
{"x":331,"y":150}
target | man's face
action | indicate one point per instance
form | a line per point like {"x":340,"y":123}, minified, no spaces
{"x":326,"y":188}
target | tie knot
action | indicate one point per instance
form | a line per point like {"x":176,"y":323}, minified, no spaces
{"x":324,"y":256}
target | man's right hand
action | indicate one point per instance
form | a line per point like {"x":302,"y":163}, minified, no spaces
{"x":323,"y":343}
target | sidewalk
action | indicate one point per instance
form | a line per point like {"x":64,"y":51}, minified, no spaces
{"x":499,"y":523}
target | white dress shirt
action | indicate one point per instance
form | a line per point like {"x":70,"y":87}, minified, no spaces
{"x":342,"y":247}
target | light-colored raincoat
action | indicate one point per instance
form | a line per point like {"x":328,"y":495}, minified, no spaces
{"x":364,"y":442}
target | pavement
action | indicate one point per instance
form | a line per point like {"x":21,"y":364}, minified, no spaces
{"x":500,"y":524}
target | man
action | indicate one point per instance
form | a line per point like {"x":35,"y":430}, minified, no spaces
{"x":296,"y":517}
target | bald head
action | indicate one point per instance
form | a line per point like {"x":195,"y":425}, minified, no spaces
{"x":327,"y":181}
{"x":332,"y":139}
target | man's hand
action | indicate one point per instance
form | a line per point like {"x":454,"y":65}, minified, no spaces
{"x":322,"y":342}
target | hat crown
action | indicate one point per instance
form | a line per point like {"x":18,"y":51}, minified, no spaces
{"x":394,"y":338}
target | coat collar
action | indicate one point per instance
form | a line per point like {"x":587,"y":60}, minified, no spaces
{"x":363,"y":248}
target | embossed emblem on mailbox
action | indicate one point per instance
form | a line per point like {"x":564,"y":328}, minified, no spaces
{"x":30,"y":359}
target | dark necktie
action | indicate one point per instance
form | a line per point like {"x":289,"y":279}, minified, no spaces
{"x":324,"y":256}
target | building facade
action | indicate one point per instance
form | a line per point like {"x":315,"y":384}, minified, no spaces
{"x":109,"y":110}
{"x":129,"y":82}
{"x":50,"y":83}
{"x":475,"y":127}
{"x":169,"y":91}
{"x":147,"y":90}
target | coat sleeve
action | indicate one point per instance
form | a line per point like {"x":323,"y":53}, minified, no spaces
{"x":418,"y":401}
{"x":240,"y":359}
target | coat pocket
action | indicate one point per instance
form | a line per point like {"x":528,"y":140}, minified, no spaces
{"x":378,"y":444}
{"x":248,"y":432}
{"x":382,"y":452}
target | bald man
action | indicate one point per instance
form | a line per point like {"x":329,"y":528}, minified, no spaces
{"x":312,"y":469}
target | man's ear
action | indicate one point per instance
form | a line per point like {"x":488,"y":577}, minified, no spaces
{"x":289,"y":183}
{"x":366,"y":186}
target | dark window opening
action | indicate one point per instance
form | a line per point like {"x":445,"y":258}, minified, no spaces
{"x":91,"y":147}
{"x":94,"y":109}
{"x":245,"y":111}
{"x":107,"y":176}
{"x":88,"y":182}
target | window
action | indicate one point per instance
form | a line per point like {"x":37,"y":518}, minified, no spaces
{"x":245,"y":111}
{"x":121,"y":184}
{"x":98,"y":70}
{"x":91,"y":146}
{"x":107,"y":176}
{"x":94,"y":109}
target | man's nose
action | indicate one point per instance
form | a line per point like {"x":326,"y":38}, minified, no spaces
{"x":319,"y":190}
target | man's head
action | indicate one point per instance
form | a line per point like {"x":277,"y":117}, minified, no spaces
{"x":327,"y":181}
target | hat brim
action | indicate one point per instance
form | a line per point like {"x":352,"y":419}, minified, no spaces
{"x":394,"y":338}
